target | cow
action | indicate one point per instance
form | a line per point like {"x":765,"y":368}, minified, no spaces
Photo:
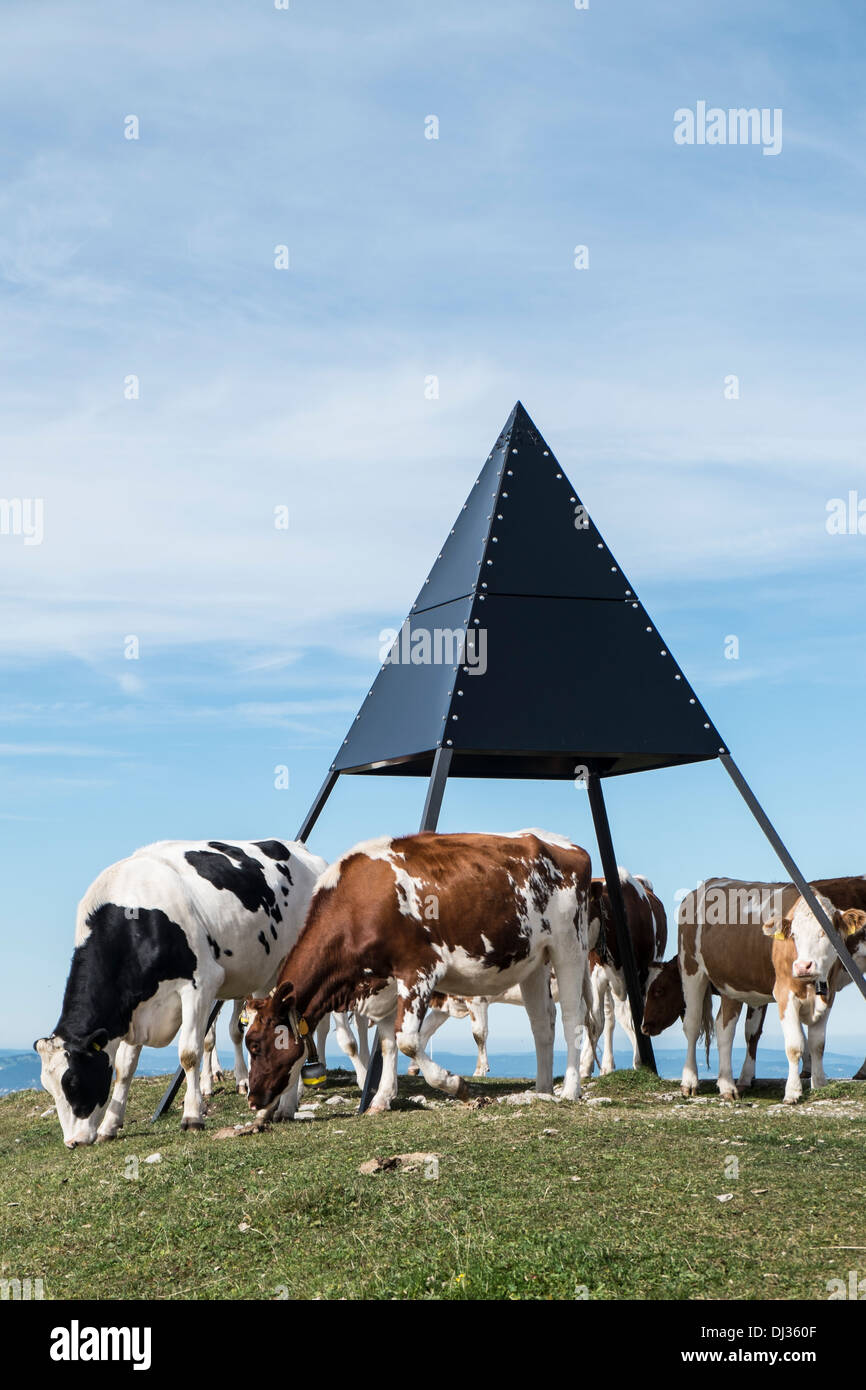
{"x":752,"y":943}
{"x":396,"y":920}
{"x":159,"y":936}
{"x":648,"y":929}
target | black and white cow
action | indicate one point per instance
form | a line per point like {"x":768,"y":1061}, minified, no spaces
{"x":158,"y":937}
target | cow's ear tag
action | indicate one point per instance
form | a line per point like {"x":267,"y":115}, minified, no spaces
{"x":96,"y":1047}
{"x":303,"y":1027}
{"x":779,"y":936}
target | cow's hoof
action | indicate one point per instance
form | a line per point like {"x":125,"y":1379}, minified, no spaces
{"x":461,"y":1090}
{"x":413,"y":1071}
{"x":191,"y":1123}
{"x":105,"y":1138}
{"x":729,"y":1093}
{"x":243,"y":1088}
{"x":792,"y":1100}
{"x":375,"y":1109}
{"x":689,"y":1091}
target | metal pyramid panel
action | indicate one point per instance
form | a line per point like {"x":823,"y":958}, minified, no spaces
{"x":406,"y":709}
{"x":526,"y":652}
{"x":582,"y":676}
{"x":543,"y":540}
{"x":457,"y":568}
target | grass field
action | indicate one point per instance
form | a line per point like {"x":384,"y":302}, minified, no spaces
{"x":610,"y":1200}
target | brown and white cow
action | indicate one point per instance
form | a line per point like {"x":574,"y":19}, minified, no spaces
{"x":397,"y":920}
{"x":752,"y":943}
{"x":648,"y":929}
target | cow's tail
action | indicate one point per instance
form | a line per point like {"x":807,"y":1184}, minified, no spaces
{"x":707,"y":1022}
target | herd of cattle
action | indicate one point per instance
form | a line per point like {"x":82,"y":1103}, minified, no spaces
{"x":404,"y":933}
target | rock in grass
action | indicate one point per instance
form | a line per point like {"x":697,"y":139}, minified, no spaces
{"x":407,"y":1163}
{"x":236,"y":1131}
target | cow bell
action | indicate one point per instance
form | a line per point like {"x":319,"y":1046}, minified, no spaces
{"x":314,"y":1073}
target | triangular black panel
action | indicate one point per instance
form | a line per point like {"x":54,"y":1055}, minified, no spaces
{"x":457,"y":569}
{"x":543,"y":540}
{"x":561,"y":666}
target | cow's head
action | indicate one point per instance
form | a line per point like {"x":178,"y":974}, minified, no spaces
{"x":665,"y":1002}
{"x":77,"y":1073}
{"x":815,"y":956}
{"x":275,"y":1042}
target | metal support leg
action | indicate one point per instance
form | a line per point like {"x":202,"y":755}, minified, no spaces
{"x":173,"y":1086}
{"x":429,"y":821}
{"x":797,"y":878}
{"x":623,"y":936}
{"x":318,"y":806}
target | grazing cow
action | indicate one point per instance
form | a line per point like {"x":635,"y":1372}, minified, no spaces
{"x":648,"y":929}
{"x":752,"y":943}
{"x":158,"y":937}
{"x":395,"y":921}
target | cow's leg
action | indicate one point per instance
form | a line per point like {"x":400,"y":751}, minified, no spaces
{"x":535,"y":993}
{"x":595,"y":1008}
{"x":236,"y":1033}
{"x":621,"y":1009}
{"x":861,"y":1074}
{"x":388,"y":1084}
{"x":568,"y":953}
{"x":726,"y":1027}
{"x":346,"y":1042}
{"x":478,"y":1014}
{"x":211,"y":1071}
{"x":433,"y":1020}
{"x":754,"y":1027}
{"x":817,"y":1035}
{"x":608,"y":1023}
{"x":415,"y":993}
{"x":288,"y":1102}
{"x":806,"y":1068}
{"x":125,"y":1063}
{"x":196,"y":1004}
{"x":622,"y":1013}
{"x":695,"y":989}
{"x":792,"y":1031}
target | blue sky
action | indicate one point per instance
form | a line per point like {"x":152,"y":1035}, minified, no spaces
{"x":412,"y":257}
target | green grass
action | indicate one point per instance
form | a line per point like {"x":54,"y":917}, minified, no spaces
{"x":621,"y":1199}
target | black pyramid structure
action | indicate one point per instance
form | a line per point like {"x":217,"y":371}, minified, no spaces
{"x":527,"y":652}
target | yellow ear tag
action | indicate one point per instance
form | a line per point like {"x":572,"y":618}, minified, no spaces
{"x":96,"y":1047}
{"x":779,"y":936}
{"x":303,"y":1027}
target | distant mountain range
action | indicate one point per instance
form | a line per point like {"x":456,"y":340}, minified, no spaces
{"x":19,"y":1071}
